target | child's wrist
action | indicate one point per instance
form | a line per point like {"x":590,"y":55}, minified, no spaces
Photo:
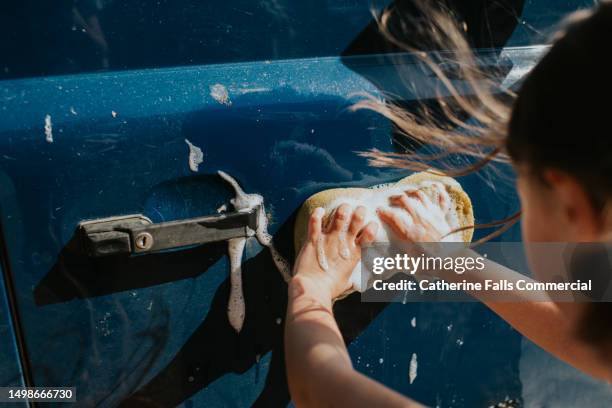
{"x":308,"y":286}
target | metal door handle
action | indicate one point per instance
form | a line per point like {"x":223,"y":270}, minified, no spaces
{"x":137,"y":234}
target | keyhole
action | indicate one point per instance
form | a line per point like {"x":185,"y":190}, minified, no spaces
{"x":144,"y":240}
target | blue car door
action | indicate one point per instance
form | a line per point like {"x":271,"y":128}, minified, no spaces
{"x":117,"y":118}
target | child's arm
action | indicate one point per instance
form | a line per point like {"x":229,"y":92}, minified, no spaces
{"x":551,"y":325}
{"x":319,"y":369}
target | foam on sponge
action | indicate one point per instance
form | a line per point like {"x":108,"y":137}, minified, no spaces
{"x":459,"y":214}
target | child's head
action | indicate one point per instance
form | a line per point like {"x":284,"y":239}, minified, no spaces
{"x":560,"y":140}
{"x":560,"y":134}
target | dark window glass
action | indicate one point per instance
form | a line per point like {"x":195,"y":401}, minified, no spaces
{"x":51,"y":37}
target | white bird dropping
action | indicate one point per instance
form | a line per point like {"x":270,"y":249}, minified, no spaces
{"x":412,"y":370}
{"x":48,"y":129}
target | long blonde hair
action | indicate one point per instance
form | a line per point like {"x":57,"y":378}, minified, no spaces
{"x":443,"y":132}
{"x":489,"y":105}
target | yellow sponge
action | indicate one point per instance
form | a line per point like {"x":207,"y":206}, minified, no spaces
{"x":378,"y":196}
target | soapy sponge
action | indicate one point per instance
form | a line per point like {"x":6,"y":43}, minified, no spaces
{"x":460,"y":211}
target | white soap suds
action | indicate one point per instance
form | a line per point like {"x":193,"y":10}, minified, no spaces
{"x":321,"y":257}
{"x":245,"y":202}
{"x":235,"y":307}
{"x":48,"y":129}
{"x":244,"y":91}
{"x":196,"y":156}
{"x":413,"y":322}
{"x":220,"y":94}
{"x":442,"y":218}
{"x":344,"y":248}
{"x":412,"y":370}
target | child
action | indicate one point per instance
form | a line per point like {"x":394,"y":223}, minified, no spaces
{"x":558,"y":137}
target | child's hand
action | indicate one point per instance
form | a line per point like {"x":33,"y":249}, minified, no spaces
{"x":330,"y":254}
{"x":417,"y":204}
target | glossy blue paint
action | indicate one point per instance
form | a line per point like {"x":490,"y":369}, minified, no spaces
{"x":158,"y":328}
{"x":286,"y":135}
{"x":100,"y":165}
{"x":10,"y":369}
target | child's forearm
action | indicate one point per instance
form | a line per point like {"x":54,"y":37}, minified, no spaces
{"x":553,"y":327}
{"x":319,"y":368}
{"x":312,"y":342}
{"x":549,"y":324}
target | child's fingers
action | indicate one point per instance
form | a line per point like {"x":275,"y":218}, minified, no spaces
{"x":444,"y":201}
{"x":417,"y":233}
{"x":314,"y":224}
{"x":368,"y":234}
{"x":443,"y":197}
{"x":424,"y":202}
{"x":394,"y":221}
{"x":327,"y":221}
{"x":404,"y":202}
{"x":357,"y":221}
{"x":417,"y":194}
{"x":341,"y":218}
